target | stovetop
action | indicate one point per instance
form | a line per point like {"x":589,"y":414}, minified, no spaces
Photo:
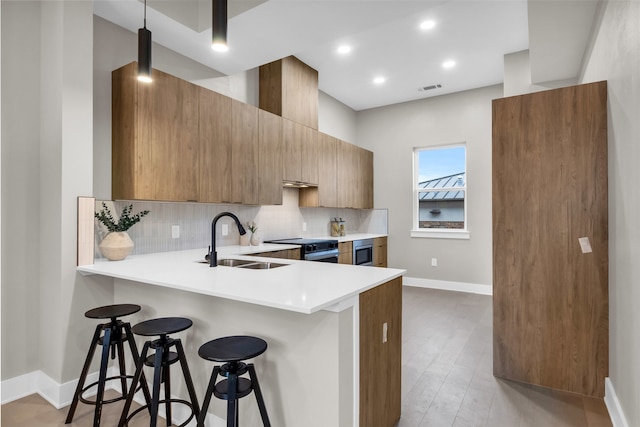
{"x":308,"y":246}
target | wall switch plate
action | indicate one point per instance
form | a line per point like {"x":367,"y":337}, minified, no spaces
{"x":225,"y":229}
{"x":434,"y":262}
{"x":385,"y":329}
{"x":585,"y":245}
{"x":175,"y":231}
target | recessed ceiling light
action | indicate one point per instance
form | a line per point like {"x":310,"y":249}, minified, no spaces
{"x":379,"y":80}
{"x":427,"y":25}
{"x":344,"y":49}
{"x":448,"y":64}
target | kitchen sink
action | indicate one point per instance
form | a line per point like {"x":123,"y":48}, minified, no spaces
{"x":243,"y":263}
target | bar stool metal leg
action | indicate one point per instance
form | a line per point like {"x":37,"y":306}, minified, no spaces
{"x":256,"y":389}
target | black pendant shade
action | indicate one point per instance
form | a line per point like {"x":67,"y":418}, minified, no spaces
{"x":144,"y":55}
{"x":144,"y":50}
{"x":219,"y":26}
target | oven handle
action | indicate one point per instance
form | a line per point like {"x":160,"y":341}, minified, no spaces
{"x":315,"y":256}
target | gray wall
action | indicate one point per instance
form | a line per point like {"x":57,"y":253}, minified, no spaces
{"x":615,"y":57}
{"x":392,"y":133}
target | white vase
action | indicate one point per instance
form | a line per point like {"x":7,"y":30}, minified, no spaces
{"x":116,"y":245}
{"x":254,"y":240}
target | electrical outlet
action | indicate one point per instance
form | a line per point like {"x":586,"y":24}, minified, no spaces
{"x":434,"y":262}
{"x":385,"y":329}
{"x":225,"y":229}
{"x":175,"y":231}
{"x":304,"y":226}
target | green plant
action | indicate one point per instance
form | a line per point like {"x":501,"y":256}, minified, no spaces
{"x":252,"y":227}
{"x":125,"y":222}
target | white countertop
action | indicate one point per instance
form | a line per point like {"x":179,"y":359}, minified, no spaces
{"x":302,"y":286}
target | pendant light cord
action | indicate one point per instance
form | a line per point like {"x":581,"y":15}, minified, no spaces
{"x":145,"y":14}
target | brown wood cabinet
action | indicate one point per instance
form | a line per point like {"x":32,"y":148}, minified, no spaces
{"x":270,"y":158}
{"x":550,"y":299}
{"x":345,"y":253}
{"x":289,"y":88}
{"x":380,"y":252}
{"x":244,"y":153}
{"x":355,"y":176}
{"x":381,"y":354}
{"x":155,"y":137}
{"x":214,"y":168}
{"x":284,"y":254}
{"x":300,"y":153}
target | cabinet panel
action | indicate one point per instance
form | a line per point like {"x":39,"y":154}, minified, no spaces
{"x":270,"y":159}
{"x":165,"y":120}
{"x":380,"y":252}
{"x":309,"y":156}
{"x":327,"y":163}
{"x":244,"y":153}
{"x":293,"y":133}
{"x":345,"y":253}
{"x":550,"y":317}
{"x":380,"y":360}
{"x":214,"y":176}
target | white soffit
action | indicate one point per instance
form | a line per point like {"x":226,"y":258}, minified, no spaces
{"x":559,"y":33}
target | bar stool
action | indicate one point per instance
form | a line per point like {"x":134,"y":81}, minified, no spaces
{"x":161,"y":362}
{"x":116,"y":333}
{"x":232,"y":351}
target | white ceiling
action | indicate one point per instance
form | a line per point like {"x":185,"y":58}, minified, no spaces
{"x":384,"y":34}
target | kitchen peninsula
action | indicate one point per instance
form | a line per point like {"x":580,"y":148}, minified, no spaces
{"x":334,"y":331}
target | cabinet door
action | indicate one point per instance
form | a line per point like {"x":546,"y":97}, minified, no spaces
{"x":214,"y":168}
{"x":345,"y":253}
{"x":293,"y":133}
{"x":380,"y":252}
{"x":365,"y":177}
{"x":347,"y":175}
{"x":309,"y":156}
{"x":164,"y":116}
{"x":550,"y":299}
{"x":380,"y":354}
{"x":327,"y":163}
{"x":244,"y":153}
{"x":270,"y":159}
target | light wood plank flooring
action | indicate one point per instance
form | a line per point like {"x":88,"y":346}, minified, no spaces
{"x":446,"y":381}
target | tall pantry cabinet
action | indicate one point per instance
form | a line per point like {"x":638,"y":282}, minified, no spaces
{"x":550,"y":289}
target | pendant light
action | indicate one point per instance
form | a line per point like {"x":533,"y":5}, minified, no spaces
{"x":144,"y":50}
{"x":219,"y":26}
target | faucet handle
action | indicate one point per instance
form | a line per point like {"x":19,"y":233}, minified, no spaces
{"x":207,"y":257}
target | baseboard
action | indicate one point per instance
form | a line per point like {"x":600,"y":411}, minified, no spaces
{"x":613,"y":405}
{"x":471,"y":288}
{"x":61,"y":395}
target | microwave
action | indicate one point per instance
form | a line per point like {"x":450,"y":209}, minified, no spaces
{"x":363,"y":252}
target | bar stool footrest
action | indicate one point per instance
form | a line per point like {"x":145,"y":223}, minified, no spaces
{"x":83,"y":399}
{"x":221,"y":389}
{"x":160,"y":402}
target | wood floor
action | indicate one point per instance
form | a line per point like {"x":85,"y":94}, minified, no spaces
{"x":447,"y":377}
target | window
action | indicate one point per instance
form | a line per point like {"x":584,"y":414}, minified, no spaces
{"x":440,"y":189}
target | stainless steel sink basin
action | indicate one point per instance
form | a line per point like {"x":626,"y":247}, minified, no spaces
{"x":262,"y":265}
{"x":231,"y":262}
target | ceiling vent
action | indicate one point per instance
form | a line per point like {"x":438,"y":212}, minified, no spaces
{"x":424,"y":88}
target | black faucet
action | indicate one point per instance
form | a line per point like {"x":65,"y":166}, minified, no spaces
{"x":213,"y":255}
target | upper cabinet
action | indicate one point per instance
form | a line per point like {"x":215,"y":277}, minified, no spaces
{"x":155,"y":137}
{"x":289,"y":88}
{"x":176,"y":141}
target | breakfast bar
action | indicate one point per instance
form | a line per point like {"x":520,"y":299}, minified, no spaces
{"x":333,"y":331}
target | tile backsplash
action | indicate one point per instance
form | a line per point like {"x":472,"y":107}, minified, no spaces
{"x":153,"y":232}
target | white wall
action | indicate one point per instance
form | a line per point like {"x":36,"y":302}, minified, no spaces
{"x":336,"y":119}
{"x":615,"y":57}
{"x":391,"y":133}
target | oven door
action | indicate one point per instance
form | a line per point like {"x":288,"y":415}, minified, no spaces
{"x":323,"y":256}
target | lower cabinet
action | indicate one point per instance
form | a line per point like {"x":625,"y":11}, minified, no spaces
{"x":284,"y":254}
{"x":380,"y":252}
{"x":380,"y":354}
{"x":345,"y":253}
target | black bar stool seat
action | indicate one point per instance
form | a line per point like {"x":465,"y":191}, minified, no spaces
{"x":161,"y":361}
{"x":232,"y":351}
{"x":111,"y":336}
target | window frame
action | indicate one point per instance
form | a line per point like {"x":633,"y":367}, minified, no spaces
{"x":438,"y":233}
